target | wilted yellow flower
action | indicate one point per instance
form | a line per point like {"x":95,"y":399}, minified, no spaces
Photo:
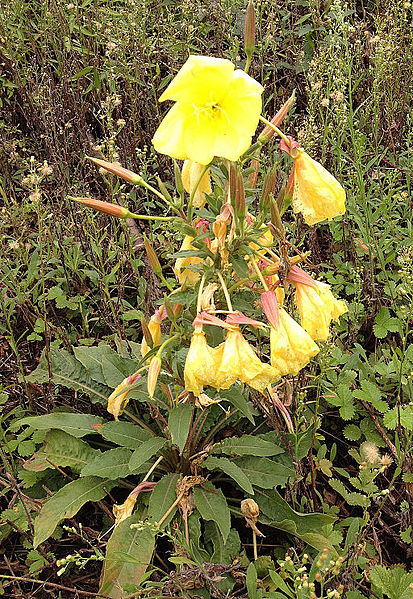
{"x":240,"y":362}
{"x":201,"y":363}
{"x":191,"y":171}
{"x":124,"y":510}
{"x":216,"y":111}
{"x":291,"y":346}
{"x":184,"y":274}
{"x":154,"y":327}
{"x":317,"y":307}
{"x":316,"y":193}
{"x":118,"y":400}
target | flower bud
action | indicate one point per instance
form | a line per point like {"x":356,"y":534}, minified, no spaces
{"x":118,"y":170}
{"x":250,"y":509}
{"x":268,"y":189}
{"x":249,"y":32}
{"x":153,"y":258}
{"x":267,"y":133}
{"x":105,"y":207}
{"x":240,"y":205}
{"x":153,"y":373}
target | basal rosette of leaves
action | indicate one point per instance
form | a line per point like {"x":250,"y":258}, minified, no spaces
{"x":223,"y":334}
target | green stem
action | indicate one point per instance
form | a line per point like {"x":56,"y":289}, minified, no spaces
{"x":259,"y":274}
{"x":277,"y":131}
{"x":225,"y":290}
{"x":146,"y":217}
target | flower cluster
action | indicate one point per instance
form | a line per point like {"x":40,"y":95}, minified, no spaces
{"x":226,"y":248}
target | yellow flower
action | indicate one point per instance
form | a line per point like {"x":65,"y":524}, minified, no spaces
{"x":124,"y":510}
{"x":216,"y":112}
{"x":191,"y":171}
{"x":317,"y":307}
{"x":118,"y":400}
{"x":291,"y":346}
{"x":316,"y":193}
{"x":154,"y":327}
{"x":201,"y":363}
{"x":240,"y":362}
{"x":184,"y":274}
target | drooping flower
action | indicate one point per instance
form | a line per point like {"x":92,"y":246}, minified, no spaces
{"x":291,"y":347}
{"x":240,"y":362}
{"x":316,"y":304}
{"x":191,"y":171}
{"x":125,"y":509}
{"x":154,"y":327}
{"x":183,"y":273}
{"x":118,"y":399}
{"x":315,"y":192}
{"x":216,"y":111}
{"x":201,"y":363}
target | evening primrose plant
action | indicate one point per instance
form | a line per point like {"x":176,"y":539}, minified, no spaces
{"x":216,"y":350}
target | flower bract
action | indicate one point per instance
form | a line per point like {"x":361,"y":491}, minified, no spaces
{"x":216,"y":112}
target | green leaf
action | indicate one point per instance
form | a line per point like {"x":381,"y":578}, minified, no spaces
{"x":230,"y":468}
{"x":104,"y":364}
{"x":343,"y":399}
{"x":406,"y":535}
{"x":352,"y":498}
{"x":352,"y":432}
{"x":126,"y":542}
{"x":251,"y":581}
{"x":247,"y":445}
{"x":371,"y":393}
{"x":66,"y":503}
{"x":394,"y":582}
{"x":69,"y":372}
{"x":61,"y":449}
{"x":179,"y":421}
{"x":112,"y":464}
{"x":125,"y":434}
{"x":391,"y":418}
{"x":162,"y":497}
{"x":276,"y":512}
{"x":224,"y":553}
{"x":385,"y":324}
{"x":77,"y":425}
{"x":212,"y":505}
{"x":237,"y":399}
{"x":263,"y":472}
{"x":276,"y":578}
{"x":145,"y":452}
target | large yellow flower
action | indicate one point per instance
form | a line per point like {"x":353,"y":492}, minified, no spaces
{"x":216,"y":111}
{"x":291,"y":346}
{"x":317,"y":307}
{"x":201,"y":363}
{"x":240,"y":362}
{"x":315,"y":192}
{"x":181,"y":270}
{"x":191,"y":171}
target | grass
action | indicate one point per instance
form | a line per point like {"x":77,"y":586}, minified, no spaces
{"x":83,"y":79}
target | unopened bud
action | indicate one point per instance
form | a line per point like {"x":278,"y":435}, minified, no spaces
{"x":249,"y":32}
{"x":146,"y":333}
{"x":233,"y":182}
{"x":169,"y":309}
{"x":178,"y":309}
{"x":276,"y":219}
{"x":268,"y":189}
{"x":163,"y":190}
{"x":105,"y":207}
{"x":118,"y":170}
{"x":267,"y":133}
{"x":153,"y":258}
{"x":153,"y":373}
{"x":178,"y":179}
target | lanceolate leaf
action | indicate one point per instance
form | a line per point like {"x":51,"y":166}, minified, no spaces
{"x":230,"y":468}
{"x":247,"y":445}
{"x":104,"y":364}
{"x":162,"y":497}
{"x":77,"y":425}
{"x":112,"y":464}
{"x":224,"y":553}
{"x":125,"y":434}
{"x":237,"y":399}
{"x":263,"y":472}
{"x":179,"y":422}
{"x":66,"y":503}
{"x":138,"y":545}
{"x":145,"y":451}
{"x":276,"y":512}
{"x":69,"y":372}
{"x":212,"y":505}
{"x":61,"y":449}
